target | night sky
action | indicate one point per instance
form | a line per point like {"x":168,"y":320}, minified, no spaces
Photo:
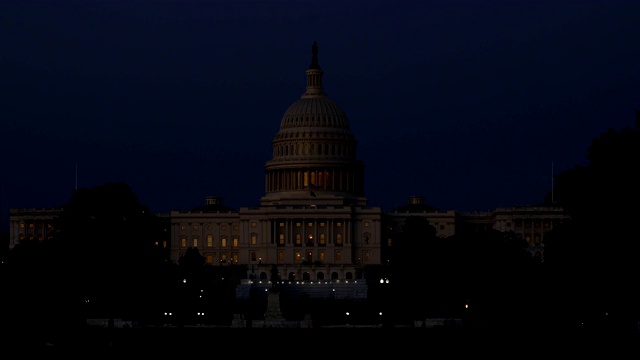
{"x":472,"y":104}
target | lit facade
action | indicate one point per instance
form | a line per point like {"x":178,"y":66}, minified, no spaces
{"x":313,"y":221}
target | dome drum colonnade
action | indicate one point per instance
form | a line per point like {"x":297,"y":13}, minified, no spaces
{"x":314,"y":151}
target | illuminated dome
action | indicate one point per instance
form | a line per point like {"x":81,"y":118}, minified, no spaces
{"x":314,"y":151}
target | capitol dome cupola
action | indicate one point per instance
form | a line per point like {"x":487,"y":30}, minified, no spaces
{"x":314,"y":151}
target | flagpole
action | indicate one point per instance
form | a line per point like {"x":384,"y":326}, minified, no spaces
{"x":552,"y":201}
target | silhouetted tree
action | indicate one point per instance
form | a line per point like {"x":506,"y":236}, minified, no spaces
{"x":414,"y":252}
{"x":594,"y":254}
{"x":109,"y":244}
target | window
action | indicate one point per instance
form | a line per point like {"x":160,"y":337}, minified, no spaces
{"x":194,"y":242}
{"x":235,"y":227}
{"x":367,"y":236}
{"x":254,"y":256}
{"x":234,"y":258}
{"x":183,"y":227}
{"x":281,"y":239}
{"x":389,"y":242}
{"x":298,"y":239}
{"x":183,"y":242}
{"x":164,"y":244}
{"x":21,"y":225}
{"x":323,"y":240}
{"x":209,"y":257}
{"x":281,"y":224}
{"x":254,"y":239}
{"x":280,"y":256}
{"x":223,"y":227}
{"x":310,"y":225}
{"x":236,"y":242}
{"x":366,"y":224}
{"x":196,"y":227}
{"x":298,"y":224}
{"x":367,"y":256}
{"x":209,"y":240}
{"x":339,"y":224}
{"x":298,"y":256}
{"x":338,"y":255}
{"x":223,"y":258}
{"x":321,"y":255}
{"x":253,"y":224}
{"x":338,"y":239}
{"x":223,"y":241}
{"x":321,"y":224}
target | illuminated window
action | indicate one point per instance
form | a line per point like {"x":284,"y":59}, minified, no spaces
{"x":281,"y":239}
{"x":310,"y":225}
{"x":339,"y":224}
{"x":321,"y":224}
{"x":235,"y":227}
{"x":281,"y":224}
{"x":338,"y":255}
{"x":209,"y":257}
{"x":183,"y":227}
{"x":209,"y":240}
{"x":164,"y":244}
{"x":22,"y":225}
{"x":298,"y":256}
{"x":196,"y":227}
{"x":223,"y":258}
{"x":254,"y":239}
{"x":236,"y":242}
{"x":31,"y":226}
{"x":321,"y":255}
{"x":298,"y":224}
{"x":298,"y":239}
{"x":338,"y":239}
{"x":389,"y":242}
{"x":322,"y":240}
{"x":280,"y":256}
{"x":195,"y":242}
{"x":528,"y":238}
{"x":253,"y":224}
{"x":366,"y":224}
{"x":223,"y":241}
{"x":234,"y":258}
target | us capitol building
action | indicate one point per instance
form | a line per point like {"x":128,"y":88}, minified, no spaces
{"x":314,"y":222}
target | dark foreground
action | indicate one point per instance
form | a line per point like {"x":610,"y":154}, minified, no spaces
{"x":324,"y":342}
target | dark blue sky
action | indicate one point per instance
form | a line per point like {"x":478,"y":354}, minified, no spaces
{"x":465,"y":102}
